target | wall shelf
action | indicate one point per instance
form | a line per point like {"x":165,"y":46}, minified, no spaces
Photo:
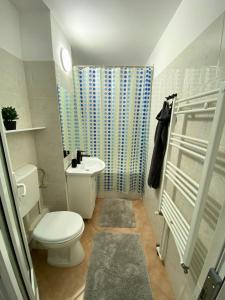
{"x":24,"y":130}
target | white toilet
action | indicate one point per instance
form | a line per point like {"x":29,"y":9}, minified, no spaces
{"x":60,"y":231}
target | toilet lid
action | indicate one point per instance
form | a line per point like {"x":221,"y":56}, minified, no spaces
{"x":58,"y":227}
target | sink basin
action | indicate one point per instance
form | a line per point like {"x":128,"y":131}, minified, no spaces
{"x":89,"y":166}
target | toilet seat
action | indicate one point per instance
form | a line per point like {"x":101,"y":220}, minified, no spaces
{"x":59,"y":227}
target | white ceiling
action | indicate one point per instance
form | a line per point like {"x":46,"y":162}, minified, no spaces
{"x":110,"y":32}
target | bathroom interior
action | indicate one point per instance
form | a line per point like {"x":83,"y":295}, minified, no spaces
{"x":112,"y":178}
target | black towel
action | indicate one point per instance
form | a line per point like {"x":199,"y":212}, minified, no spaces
{"x":160,"y":141}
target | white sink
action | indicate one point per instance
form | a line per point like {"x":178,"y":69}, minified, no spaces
{"x":89,"y":166}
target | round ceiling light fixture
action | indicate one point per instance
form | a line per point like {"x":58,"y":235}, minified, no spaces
{"x":65,"y":59}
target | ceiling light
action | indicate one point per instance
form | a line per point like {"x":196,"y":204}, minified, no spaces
{"x":65,"y":59}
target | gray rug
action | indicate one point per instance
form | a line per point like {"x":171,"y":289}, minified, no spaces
{"x":117,"y":213}
{"x":117,"y":269}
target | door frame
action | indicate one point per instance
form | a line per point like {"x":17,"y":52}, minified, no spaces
{"x":14,"y":220}
{"x":10,"y":285}
{"x":214,"y":255}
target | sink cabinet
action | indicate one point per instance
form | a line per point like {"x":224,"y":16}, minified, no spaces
{"x":82,"y":192}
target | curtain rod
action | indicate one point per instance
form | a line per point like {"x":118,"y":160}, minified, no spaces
{"x":99,"y":66}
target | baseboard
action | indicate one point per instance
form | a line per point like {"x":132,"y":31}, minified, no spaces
{"x":131,"y":195}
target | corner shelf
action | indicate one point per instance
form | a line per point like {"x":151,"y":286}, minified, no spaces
{"x":24,"y":130}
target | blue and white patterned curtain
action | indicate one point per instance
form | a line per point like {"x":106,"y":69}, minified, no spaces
{"x":66,"y":105}
{"x":110,"y":120}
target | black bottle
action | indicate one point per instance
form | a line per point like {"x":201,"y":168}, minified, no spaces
{"x":74,"y":163}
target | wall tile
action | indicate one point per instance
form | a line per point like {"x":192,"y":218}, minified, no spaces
{"x":22,"y":149}
{"x":199,"y":68}
{"x":41,"y":80}
{"x":13,"y":90}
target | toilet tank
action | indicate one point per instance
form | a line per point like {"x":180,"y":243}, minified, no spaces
{"x":28,"y":175}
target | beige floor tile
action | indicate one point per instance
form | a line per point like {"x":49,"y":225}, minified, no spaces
{"x":68,"y":283}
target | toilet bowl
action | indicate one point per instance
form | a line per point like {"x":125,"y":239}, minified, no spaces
{"x":60,"y":232}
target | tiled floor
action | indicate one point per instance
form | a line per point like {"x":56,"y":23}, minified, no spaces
{"x":68,"y":283}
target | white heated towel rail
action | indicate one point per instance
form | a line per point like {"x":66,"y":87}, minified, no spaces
{"x":185,"y":234}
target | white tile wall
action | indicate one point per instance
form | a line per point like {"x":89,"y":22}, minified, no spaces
{"x":31,"y":88}
{"x":42,"y":92}
{"x":200,"y":67}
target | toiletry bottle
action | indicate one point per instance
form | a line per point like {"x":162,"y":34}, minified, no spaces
{"x":74,"y":163}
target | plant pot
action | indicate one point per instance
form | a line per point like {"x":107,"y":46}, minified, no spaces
{"x":10,"y":125}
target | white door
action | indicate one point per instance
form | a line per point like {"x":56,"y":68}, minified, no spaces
{"x":215,"y":257}
{"x":11,"y":285}
{"x":13,"y":221}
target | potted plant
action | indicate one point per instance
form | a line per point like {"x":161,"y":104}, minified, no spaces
{"x":9,"y":116}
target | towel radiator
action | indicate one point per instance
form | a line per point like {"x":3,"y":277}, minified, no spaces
{"x":185,"y":234}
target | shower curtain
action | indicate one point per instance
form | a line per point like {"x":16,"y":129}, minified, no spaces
{"x":109,"y":119}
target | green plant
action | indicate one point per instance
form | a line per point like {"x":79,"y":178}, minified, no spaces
{"x":9,"y":113}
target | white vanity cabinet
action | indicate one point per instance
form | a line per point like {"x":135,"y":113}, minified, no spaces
{"x":82,"y":192}
{"x":82,"y":185}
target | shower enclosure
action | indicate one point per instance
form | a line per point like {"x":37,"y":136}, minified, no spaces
{"x":108,"y":117}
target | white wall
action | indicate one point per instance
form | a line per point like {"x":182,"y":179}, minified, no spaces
{"x":190,"y":20}
{"x":36,"y":35}
{"x":59,"y":40}
{"x":188,"y":59}
{"x":10,"y":28}
{"x":26,"y":35}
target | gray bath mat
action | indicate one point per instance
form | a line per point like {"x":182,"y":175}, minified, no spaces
{"x":117,"y":269}
{"x":117,"y":213}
